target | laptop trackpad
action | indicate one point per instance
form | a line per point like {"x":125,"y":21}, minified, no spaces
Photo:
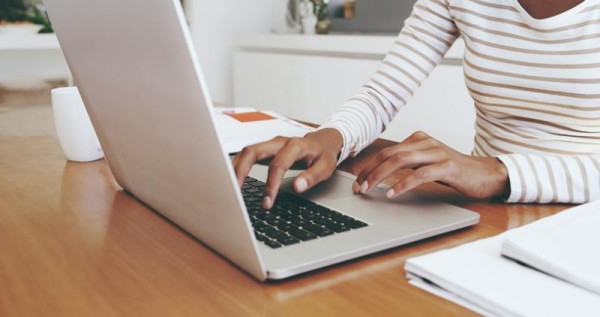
{"x":338,"y":186}
{"x":338,"y":189}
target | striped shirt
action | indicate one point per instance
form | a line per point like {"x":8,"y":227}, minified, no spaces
{"x":535,"y":85}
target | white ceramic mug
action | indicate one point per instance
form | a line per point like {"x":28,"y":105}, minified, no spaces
{"x":75,"y":132}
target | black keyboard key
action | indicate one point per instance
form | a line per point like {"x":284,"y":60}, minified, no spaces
{"x":262,"y":215}
{"x":259,"y":236}
{"x":260,"y":195}
{"x":355,"y":224}
{"x":251,"y":199}
{"x":302,"y":234}
{"x":276,"y":210}
{"x":259,"y":225}
{"x":252,"y":211}
{"x":318,"y":230}
{"x":274,"y":233}
{"x":299,"y":221}
{"x":284,"y":226}
{"x":258,"y":184}
{"x":287,"y":240}
{"x":323,"y":211}
{"x":336,"y":227}
{"x":252,"y":190}
{"x":269,"y":216}
{"x":286,"y":205}
{"x":275,"y":221}
{"x":286,"y":217}
{"x":272,"y":244}
{"x":305,"y":213}
{"x":341,"y":218}
{"x":320,"y":220}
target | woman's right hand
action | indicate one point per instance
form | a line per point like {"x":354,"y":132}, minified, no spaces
{"x":318,"y":150}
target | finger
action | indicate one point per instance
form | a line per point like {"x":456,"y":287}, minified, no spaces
{"x":383,"y":155}
{"x":425,"y":174}
{"x":244,"y":161}
{"x":399,"y":161}
{"x":283,"y":160}
{"x":320,"y":170}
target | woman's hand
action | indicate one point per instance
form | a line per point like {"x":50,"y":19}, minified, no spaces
{"x":431,"y":160}
{"x":318,"y":150}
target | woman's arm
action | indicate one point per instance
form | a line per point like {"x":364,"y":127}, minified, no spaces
{"x":552,"y":178}
{"x":421,"y":45}
{"x":428,"y":34}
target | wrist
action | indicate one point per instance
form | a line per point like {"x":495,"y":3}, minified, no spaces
{"x":503,"y":180}
{"x":331,"y":139}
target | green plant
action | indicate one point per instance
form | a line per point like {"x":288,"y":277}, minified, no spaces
{"x":39,"y":17}
{"x":320,"y":9}
{"x":13,"y":11}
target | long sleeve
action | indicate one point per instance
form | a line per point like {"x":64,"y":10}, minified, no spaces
{"x":535,"y":85}
{"x":553,"y":178}
{"x":421,"y":45}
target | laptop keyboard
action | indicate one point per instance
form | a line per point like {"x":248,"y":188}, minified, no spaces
{"x":292,"y":219}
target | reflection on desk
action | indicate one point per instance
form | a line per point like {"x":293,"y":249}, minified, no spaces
{"x":74,"y":244}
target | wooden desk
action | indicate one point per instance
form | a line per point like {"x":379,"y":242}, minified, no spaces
{"x":73,"y":244}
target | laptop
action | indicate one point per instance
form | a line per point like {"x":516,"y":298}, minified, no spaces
{"x":142,"y":84}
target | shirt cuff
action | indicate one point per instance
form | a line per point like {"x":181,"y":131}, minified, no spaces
{"x":514,"y":178}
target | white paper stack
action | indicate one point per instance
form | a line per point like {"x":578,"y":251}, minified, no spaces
{"x":479,"y":277}
{"x":566,"y":246}
{"x":236,"y":134}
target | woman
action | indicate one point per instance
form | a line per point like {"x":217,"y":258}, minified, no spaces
{"x":533,"y":70}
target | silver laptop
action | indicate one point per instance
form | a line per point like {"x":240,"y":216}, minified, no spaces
{"x":141,"y":82}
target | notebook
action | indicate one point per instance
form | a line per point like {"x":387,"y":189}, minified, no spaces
{"x":243,"y":126}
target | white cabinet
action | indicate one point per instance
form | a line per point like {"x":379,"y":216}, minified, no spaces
{"x":311,"y":77}
{"x":304,"y":87}
{"x":27,"y":60}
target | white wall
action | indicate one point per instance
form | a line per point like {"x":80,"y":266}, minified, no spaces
{"x":215,"y":25}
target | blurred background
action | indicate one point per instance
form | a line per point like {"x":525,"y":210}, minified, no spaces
{"x":301,"y":58}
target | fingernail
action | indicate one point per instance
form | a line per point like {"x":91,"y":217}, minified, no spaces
{"x":301,"y":184}
{"x":390,"y":193}
{"x":364,"y":187}
{"x":267,"y":202}
{"x":355,"y":187}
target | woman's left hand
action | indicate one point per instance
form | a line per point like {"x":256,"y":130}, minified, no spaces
{"x":430,"y":161}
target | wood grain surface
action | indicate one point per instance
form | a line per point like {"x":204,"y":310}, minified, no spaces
{"x":73,"y":244}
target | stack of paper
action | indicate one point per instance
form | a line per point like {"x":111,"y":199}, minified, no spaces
{"x":477,"y":276}
{"x":566,"y":245}
{"x":240,"y":127}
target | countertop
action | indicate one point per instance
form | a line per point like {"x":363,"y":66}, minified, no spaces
{"x":343,"y":45}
